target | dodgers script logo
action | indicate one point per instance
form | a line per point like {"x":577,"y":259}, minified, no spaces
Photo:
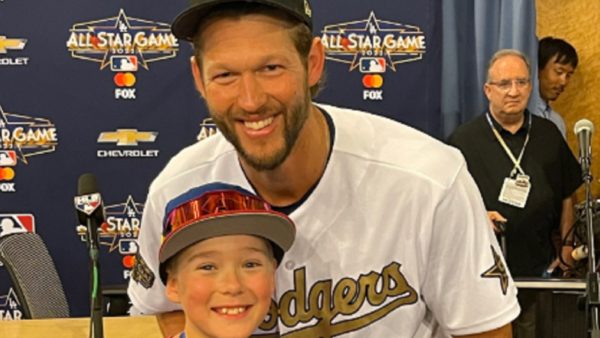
{"x":332,"y":309}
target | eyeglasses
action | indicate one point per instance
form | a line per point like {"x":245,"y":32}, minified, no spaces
{"x":506,"y":85}
{"x":212,"y":204}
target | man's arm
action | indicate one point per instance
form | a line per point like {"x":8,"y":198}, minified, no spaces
{"x":171,"y":323}
{"x":567,"y":219}
{"x":503,"y":332}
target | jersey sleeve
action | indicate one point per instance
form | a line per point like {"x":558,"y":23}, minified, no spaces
{"x":146,"y":291}
{"x":467,"y":286}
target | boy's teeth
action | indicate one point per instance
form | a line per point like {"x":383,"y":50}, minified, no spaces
{"x":232,"y":310}
{"x":256,"y":125}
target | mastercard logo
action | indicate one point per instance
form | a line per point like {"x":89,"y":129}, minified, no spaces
{"x":128,"y":261}
{"x":6,"y":174}
{"x":124,"y":79}
{"x":372,"y":81}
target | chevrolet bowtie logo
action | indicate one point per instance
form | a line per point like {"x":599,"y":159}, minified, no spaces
{"x":127,"y":137}
{"x":5,"y":44}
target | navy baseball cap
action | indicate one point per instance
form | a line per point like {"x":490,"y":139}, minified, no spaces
{"x":220,"y":209}
{"x":186,"y":23}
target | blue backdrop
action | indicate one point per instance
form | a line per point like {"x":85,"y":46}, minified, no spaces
{"x":102,"y":87}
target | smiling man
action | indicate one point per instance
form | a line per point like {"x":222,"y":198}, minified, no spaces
{"x":557,"y":61}
{"x":392,"y":236}
{"x":526,"y":174}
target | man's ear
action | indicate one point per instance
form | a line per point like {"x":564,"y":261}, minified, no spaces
{"x":171,"y":290}
{"x":316,"y":61}
{"x":197,"y":73}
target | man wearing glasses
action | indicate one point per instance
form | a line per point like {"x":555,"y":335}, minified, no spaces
{"x":525,"y":173}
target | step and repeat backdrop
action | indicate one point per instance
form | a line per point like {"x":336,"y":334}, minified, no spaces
{"x":103,"y":87}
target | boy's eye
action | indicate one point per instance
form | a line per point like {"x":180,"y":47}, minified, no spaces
{"x":252,"y":264}
{"x":206,"y":267}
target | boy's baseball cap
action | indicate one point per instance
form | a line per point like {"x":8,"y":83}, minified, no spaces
{"x":220,"y":209}
{"x":186,"y":23}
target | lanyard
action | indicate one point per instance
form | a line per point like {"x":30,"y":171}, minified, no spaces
{"x":516,"y":162}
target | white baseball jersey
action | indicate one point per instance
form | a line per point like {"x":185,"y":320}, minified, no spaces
{"x":394,"y":233}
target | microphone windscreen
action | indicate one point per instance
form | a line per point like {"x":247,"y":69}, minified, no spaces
{"x":583,"y":124}
{"x":87,"y":184}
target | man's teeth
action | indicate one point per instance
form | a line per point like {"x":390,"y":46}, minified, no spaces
{"x":256,"y":125}
{"x":232,"y":310}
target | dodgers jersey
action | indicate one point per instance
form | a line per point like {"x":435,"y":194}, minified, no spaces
{"x":394,"y":233}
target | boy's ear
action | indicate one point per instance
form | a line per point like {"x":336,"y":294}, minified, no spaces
{"x":171,"y":289}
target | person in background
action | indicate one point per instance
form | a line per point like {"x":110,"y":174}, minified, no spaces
{"x":393,"y":237}
{"x":557,"y":61}
{"x":526,"y":173}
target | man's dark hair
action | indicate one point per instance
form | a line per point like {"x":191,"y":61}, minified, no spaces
{"x":549,"y":47}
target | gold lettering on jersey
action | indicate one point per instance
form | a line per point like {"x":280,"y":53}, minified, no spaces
{"x":326,"y":301}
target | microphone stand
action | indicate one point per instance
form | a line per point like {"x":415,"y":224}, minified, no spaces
{"x":592,"y":303}
{"x":96,"y":328}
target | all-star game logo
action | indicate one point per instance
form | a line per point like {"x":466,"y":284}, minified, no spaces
{"x":373,"y":46}
{"x":22,"y":137}
{"x":207,"y":128}
{"x":120,"y":232}
{"x":123,"y":44}
{"x":10,"y":306}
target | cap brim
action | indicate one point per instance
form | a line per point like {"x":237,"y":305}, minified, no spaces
{"x":185,"y":24}
{"x":273,"y":227}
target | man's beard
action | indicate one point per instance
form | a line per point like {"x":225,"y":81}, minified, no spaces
{"x":293,"y":121}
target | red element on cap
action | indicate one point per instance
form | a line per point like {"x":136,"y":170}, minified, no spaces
{"x":104,"y":227}
{"x":128,"y":261}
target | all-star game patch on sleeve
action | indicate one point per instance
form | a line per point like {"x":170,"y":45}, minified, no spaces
{"x":142,"y":273}
{"x":498,"y":270}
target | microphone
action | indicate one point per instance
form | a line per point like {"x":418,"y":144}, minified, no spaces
{"x":579,"y":252}
{"x":90,"y":210}
{"x":584,"y":129}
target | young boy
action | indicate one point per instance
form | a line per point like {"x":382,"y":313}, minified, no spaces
{"x":221,"y":246}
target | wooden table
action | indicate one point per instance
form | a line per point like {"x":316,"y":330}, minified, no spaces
{"x":114,"y":327}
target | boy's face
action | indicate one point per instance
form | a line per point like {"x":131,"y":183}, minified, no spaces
{"x":224,"y":285}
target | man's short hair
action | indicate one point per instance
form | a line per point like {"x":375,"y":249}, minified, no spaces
{"x":505,"y":52}
{"x":550,"y":46}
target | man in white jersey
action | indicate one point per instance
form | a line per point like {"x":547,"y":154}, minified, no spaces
{"x":392,"y":235}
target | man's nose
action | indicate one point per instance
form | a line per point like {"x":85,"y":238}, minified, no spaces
{"x":251,"y":93}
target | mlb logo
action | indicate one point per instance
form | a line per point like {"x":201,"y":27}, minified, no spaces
{"x":124,"y":63}
{"x":8,"y":158}
{"x":16,"y":223}
{"x":371,"y":65}
{"x":128,"y":247}
{"x":88,"y":203}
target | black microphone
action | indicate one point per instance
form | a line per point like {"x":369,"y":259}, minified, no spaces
{"x":90,"y":210}
{"x":90,"y":213}
{"x":584,"y":129}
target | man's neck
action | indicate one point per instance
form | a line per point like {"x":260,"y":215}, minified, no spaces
{"x":302,"y":169}
{"x":510,"y":122}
